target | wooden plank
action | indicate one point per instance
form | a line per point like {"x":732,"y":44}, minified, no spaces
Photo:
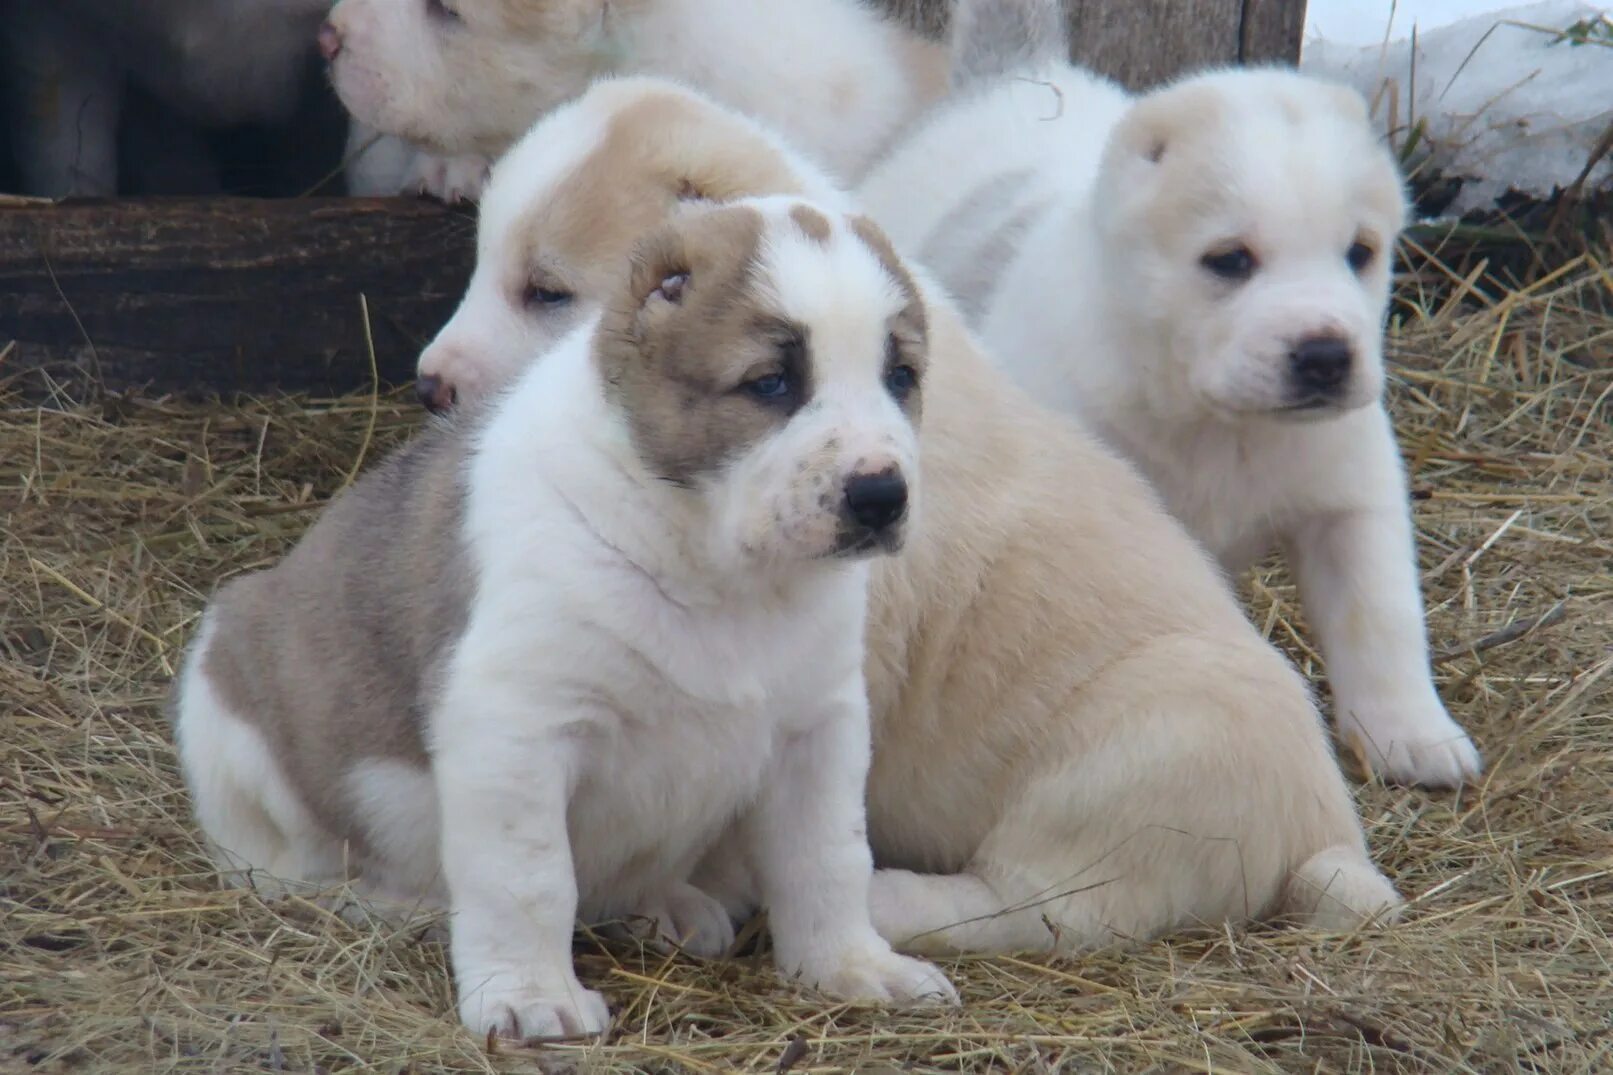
{"x":1141,"y":43}
{"x":193,"y":295}
{"x":1273,"y":31}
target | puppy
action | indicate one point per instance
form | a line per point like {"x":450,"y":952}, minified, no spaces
{"x":535,"y":663}
{"x":1075,"y":726}
{"x":465,"y":77}
{"x":218,"y":62}
{"x":1202,"y":276}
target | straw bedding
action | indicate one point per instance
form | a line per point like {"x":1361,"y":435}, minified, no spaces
{"x":119,"y":952}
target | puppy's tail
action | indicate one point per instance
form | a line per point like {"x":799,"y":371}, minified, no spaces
{"x":1338,"y":889}
{"x":991,"y":38}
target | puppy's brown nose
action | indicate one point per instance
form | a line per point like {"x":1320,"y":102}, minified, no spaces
{"x":330,"y":41}
{"x":435,"y":394}
{"x":876,"y":500}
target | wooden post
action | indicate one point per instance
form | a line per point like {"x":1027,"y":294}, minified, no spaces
{"x":1141,"y":43}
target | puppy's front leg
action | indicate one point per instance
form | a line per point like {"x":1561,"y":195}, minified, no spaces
{"x":1357,"y":575}
{"x":506,"y":857}
{"x":809,"y":842}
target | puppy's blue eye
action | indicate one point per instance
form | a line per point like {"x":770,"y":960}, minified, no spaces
{"x":1359,"y":256}
{"x":437,"y":9}
{"x":1236,"y":264}
{"x":770,"y":386}
{"x":900,"y":381}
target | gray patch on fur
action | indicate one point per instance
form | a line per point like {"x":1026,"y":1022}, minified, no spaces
{"x":977,"y":239}
{"x":994,"y":38}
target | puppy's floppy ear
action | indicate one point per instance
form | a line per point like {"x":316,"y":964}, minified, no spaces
{"x":660,"y":268}
{"x":707,"y":155}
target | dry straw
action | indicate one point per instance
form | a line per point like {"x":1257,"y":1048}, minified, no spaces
{"x":119,"y":952}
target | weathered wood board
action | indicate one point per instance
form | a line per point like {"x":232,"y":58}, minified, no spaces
{"x":1141,"y":43}
{"x":187,"y":295}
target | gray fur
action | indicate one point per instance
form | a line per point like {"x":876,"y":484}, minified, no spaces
{"x":993,"y":38}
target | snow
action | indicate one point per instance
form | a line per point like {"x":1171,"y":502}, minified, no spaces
{"x":1503,"y":105}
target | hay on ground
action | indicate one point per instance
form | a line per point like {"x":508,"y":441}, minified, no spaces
{"x":119,"y":952}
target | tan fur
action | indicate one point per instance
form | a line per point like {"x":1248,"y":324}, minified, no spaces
{"x":1070,"y":707}
{"x":653,"y":155}
{"x":813,"y":224}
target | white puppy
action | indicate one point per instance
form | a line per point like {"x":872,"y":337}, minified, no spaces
{"x":1078,"y":736}
{"x":539,"y":662}
{"x":468,"y":77}
{"x":1202,"y":275}
{"x":218,"y":62}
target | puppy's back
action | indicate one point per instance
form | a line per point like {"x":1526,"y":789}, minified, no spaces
{"x":333,"y":654}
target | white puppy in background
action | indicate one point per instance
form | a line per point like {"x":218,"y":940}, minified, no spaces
{"x":1078,"y":736}
{"x":537,"y":662}
{"x":466,"y":78}
{"x":218,"y":62}
{"x":1202,"y":275}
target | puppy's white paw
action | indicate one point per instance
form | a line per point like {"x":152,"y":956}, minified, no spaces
{"x":687,"y":917}
{"x":873,"y":974}
{"x":449,"y":179}
{"x":1415,"y":743}
{"x":514,"y":1005}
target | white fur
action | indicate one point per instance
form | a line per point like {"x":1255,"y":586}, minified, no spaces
{"x":641,"y":665}
{"x":831,"y":74}
{"x":381,"y":165}
{"x":1099,"y":306}
{"x":493,"y":334}
{"x":217,"y":61}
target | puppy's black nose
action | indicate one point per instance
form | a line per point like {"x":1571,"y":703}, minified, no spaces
{"x":1320,"y":364}
{"x":876,"y":500}
{"x":434,"y":394}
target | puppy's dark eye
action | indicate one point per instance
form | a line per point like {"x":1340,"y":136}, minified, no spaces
{"x":439,"y":10}
{"x":900,"y":382}
{"x":770,"y":386}
{"x":1237,"y":263}
{"x":1360,"y":256}
{"x":538,"y":297}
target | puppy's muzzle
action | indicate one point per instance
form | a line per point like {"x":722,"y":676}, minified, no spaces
{"x":434,"y":393}
{"x":871,"y":512}
{"x":330,"y":41}
{"x":1319,"y":369}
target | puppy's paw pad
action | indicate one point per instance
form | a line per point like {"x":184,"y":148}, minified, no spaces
{"x":686,"y":916}
{"x":566,"y":1012}
{"x":880,"y":976}
{"x":1413,"y":746}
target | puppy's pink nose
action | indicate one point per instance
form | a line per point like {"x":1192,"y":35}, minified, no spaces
{"x":435,"y":394}
{"x":330,"y":41}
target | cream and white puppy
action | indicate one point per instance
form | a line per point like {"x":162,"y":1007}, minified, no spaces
{"x":536,"y":663}
{"x":1202,"y":275}
{"x":218,"y":62}
{"x":468,"y":77}
{"x":1078,"y":736}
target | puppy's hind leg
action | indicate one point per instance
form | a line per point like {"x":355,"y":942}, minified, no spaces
{"x":257,"y":829}
{"x":1194,"y":787}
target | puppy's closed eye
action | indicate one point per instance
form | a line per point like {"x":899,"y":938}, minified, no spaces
{"x":441,"y":11}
